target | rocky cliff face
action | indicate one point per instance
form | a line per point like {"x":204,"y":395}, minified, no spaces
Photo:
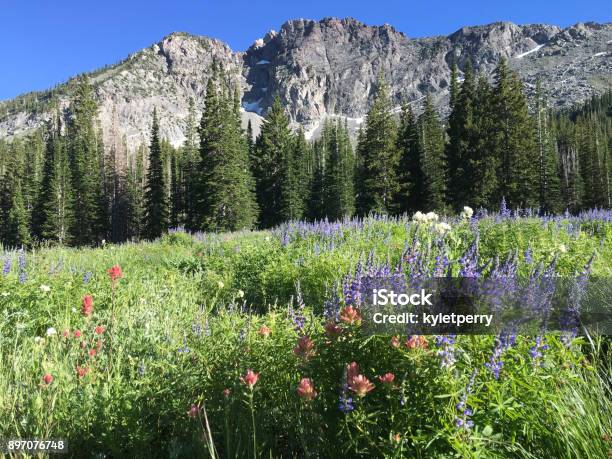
{"x":324,"y":69}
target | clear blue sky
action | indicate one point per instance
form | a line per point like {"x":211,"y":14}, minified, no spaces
{"x":44,"y":42}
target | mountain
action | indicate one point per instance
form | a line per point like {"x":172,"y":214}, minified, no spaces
{"x":322,"y":69}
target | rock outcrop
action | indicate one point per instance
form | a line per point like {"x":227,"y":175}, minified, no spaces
{"x":321,"y":69}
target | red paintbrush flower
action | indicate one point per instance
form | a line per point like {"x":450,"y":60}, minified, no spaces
{"x":332,"y":330}
{"x":115,"y":273}
{"x":306,"y":390}
{"x":387,"y":379}
{"x":99,"y":330}
{"x":350,"y":315}
{"x":77,"y":333}
{"x":416,"y":341}
{"x":87,"y":308}
{"x":264,"y":331}
{"x":304,"y":348}
{"x":361,"y":385}
{"x":48,"y":379}
{"x":250,"y":378}
{"x":82,"y":371}
{"x":352,"y":370}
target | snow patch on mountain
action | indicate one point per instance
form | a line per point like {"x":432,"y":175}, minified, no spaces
{"x":534,"y":50}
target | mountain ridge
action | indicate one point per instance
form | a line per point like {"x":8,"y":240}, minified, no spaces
{"x":321,"y":69}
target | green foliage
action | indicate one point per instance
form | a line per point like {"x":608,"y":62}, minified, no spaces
{"x":174,"y":337}
{"x":155,"y":198}
{"x":378,"y":157}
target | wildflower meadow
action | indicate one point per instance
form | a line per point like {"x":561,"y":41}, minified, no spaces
{"x":253,"y":344}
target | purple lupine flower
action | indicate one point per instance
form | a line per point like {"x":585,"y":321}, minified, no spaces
{"x":87,"y":277}
{"x":446,"y":343}
{"x":21,"y":259}
{"x":529,"y":255}
{"x":331,"y":305}
{"x":6,"y":267}
{"x":536,"y":350}
{"x":197,"y":329}
{"x":345,"y":402}
{"x":464,"y":412}
{"x":184,"y":349}
{"x":503,"y":342}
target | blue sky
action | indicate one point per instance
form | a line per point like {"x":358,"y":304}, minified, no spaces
{"x":44,"y":42}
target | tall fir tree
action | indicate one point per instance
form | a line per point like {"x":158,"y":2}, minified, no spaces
{"x":84,"y":148}
{"x":460,"y":136}
{"x":155,"y":198}
{"x":433,"y":161}
{"x":227,"y":202}
{"x":411,"y":192}
{"x":514,"y":135}
{"x":55,"y":208}
{"x":378,"y":157}
{"x":548,"y":167}
{"x":481,"y":163}
{"x":339,"y":194}
{"x":271,"y":167}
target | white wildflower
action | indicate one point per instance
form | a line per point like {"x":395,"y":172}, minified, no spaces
{"x":240,"y":294}
{"x":220,"y":284}
{"x":5,"y":294}
{"x":39,"y":340}
{"x":467,"y":212}
{"x":562,"y":248}
{"x":51,"y":331}
{"x":45,"y":288}
{"x":431,"y":217}
{"x":74,"y":310}
{"x":442,"y":228}
{"x":418,"y":217}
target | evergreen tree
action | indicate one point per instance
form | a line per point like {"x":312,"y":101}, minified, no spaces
{"x":17,"y":222}
{"x":156,"y":205}
{"x":514,"y":135}
{"x":433,"y":162}
{"x":481,"y":162}
{"x":191,"y":159}
{"x":227,"y":201}
{"x":84,"y":146}
{"x":316,"y":201}
{"x":378,"y":157}
{"x":411,"y":194}
{"x":272,"y":166}
{"x":461,"y":135}
{"x":339,"y":194}
{"x":548,"y":178}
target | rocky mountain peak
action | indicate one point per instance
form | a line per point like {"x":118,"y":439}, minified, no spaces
{"x":321,"y":69}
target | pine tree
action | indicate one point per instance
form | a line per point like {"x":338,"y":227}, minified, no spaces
{"x":411,"y":193}
{"x":460,"y":134}
{"x":481,"y":163}
{"x":227,"y":201}
{"x":515,"y":145}
{"x":191,"y":160}
{"x":272,"y":166}
{"x":378,"y":157}
{"x":339,"y":194}
{"x":548,"y":178}
{"x":84,"y":147}
{"x":55,"y":209}
{"x":316,"y":200}
{"x":17,"y":231}
{"x":156,"y":204}
{"x":433,"y":162}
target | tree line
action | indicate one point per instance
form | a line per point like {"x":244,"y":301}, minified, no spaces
{"x":62,"y":184}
